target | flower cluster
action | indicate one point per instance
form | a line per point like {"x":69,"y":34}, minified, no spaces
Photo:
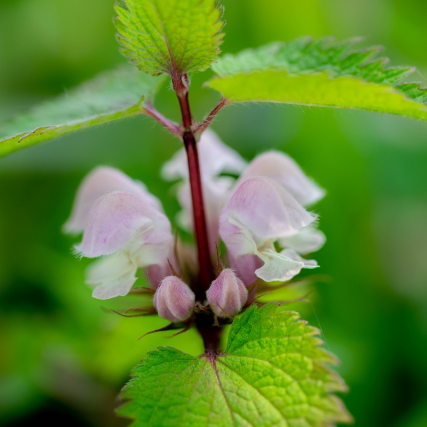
{"x":260,"y":217}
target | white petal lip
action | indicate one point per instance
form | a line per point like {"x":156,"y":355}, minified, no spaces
{"x":112,"y":276}
{"x":215,"y":158}
{"x":308,"y":240}
{"x":277,"y":267}
{"x":285,"y":170}
{"x":294,"y":255}
{"x":100,"y":181}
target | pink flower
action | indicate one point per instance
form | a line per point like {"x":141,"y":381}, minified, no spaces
{"x":120,"y":219}
{"x":261,"y":219}
{"x":283,"y":169}
{"x":260,"y":212}
{"x":174,"y":300}
{"x":215,"y":158}
{"x":267,"y":207}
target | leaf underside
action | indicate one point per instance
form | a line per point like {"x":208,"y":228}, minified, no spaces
{"x":272,"y":374}
{"x":320,"y":73}
{"x":170,"y":36}
{"x":109,"y":96}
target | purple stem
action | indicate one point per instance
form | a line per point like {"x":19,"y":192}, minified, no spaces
{"x":166,"y":123}
{"x":206,"y":271}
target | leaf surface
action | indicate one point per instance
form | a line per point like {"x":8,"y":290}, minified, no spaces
{"x":110,"y":96}
{"x":170,"y":36}
{"x":272,"y":374}
{"x":320,"y":73}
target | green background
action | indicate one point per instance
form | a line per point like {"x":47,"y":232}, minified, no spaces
{"x":63,"y":359}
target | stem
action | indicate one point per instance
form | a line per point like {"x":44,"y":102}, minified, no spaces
{"x":209,"y":119}
{"x":166,"y":123}
{"x":210,"y":334}
{"x":206,"y":271}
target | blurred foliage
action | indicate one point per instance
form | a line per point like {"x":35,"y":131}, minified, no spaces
{"x":62,"y":356}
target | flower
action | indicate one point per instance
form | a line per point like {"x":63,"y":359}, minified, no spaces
{"x":120,"y":219}
{"x":283,"y":169}
{"x":215,"y":158}
{"x":174,"y":300}
{"x":286,"y":171}
{"x":261,"y":219}
{"x":227,"y":294}
{"x":259,"y":212}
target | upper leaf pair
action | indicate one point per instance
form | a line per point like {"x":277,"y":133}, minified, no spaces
{"x":176,"y":37}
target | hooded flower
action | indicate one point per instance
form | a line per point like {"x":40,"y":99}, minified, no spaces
{"x":122,"y":221}
{"x":215,"y":158}
{"x":286,"y":171}
{"x":261,"y":220}
{"x":260,"y":212}
{"x":283,"y":169}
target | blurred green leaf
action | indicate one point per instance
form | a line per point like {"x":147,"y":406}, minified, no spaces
{"x":167,"y":36}
{"x":322,"y":73}
{"x":110,"y":96}
{"x":272,"y":373}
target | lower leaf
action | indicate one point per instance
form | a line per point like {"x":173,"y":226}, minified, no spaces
{"x":272,"y":373}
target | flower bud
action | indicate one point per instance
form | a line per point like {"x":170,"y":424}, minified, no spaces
{"x":174,"y":300}
{"x":227,"y":294}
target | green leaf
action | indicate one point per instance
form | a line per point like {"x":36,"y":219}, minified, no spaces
{"x":272,"y":374}
{"x":110,"y":96}
{"x":170,"y":36}
{"x":320,"y":73}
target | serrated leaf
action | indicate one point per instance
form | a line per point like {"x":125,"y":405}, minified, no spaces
{"x":319,"y":73}
{"x":109,"y":96}
{"x":272,"y":374}
{"x":170,"y":36}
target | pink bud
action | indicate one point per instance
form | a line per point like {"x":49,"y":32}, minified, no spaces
{"x":227,"y":294}
{"x":174,"y":300}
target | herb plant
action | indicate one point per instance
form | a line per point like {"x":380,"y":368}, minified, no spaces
{"x":252,"y":234}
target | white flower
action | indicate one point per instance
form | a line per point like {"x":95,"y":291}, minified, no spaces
{"x":260,"y":212}
{"x":215,"y":158}
{"x":120,"y":219}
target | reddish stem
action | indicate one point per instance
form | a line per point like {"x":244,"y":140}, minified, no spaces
{"x":166,"y":123}
{"x":209,"y":119}
{"x":206,"y":272}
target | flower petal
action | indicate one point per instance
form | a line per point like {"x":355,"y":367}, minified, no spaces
{"x":100,"y":181}
{"x":215,"y":158}
{"x":260,"y":210}
{"x":285,"y":170}
{"x":294,"y":255}
{"x":277,"y":267}
{"x":245,"y":267}
{"x":112,"y":276}
{"x":308,"y":240}
{"x":118,"y":219}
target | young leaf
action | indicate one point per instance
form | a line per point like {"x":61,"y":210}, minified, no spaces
{"x":110,"y":96}
{"x":272,"y":374}
{"x":319,"y":73}
{"x":170,"y":36}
